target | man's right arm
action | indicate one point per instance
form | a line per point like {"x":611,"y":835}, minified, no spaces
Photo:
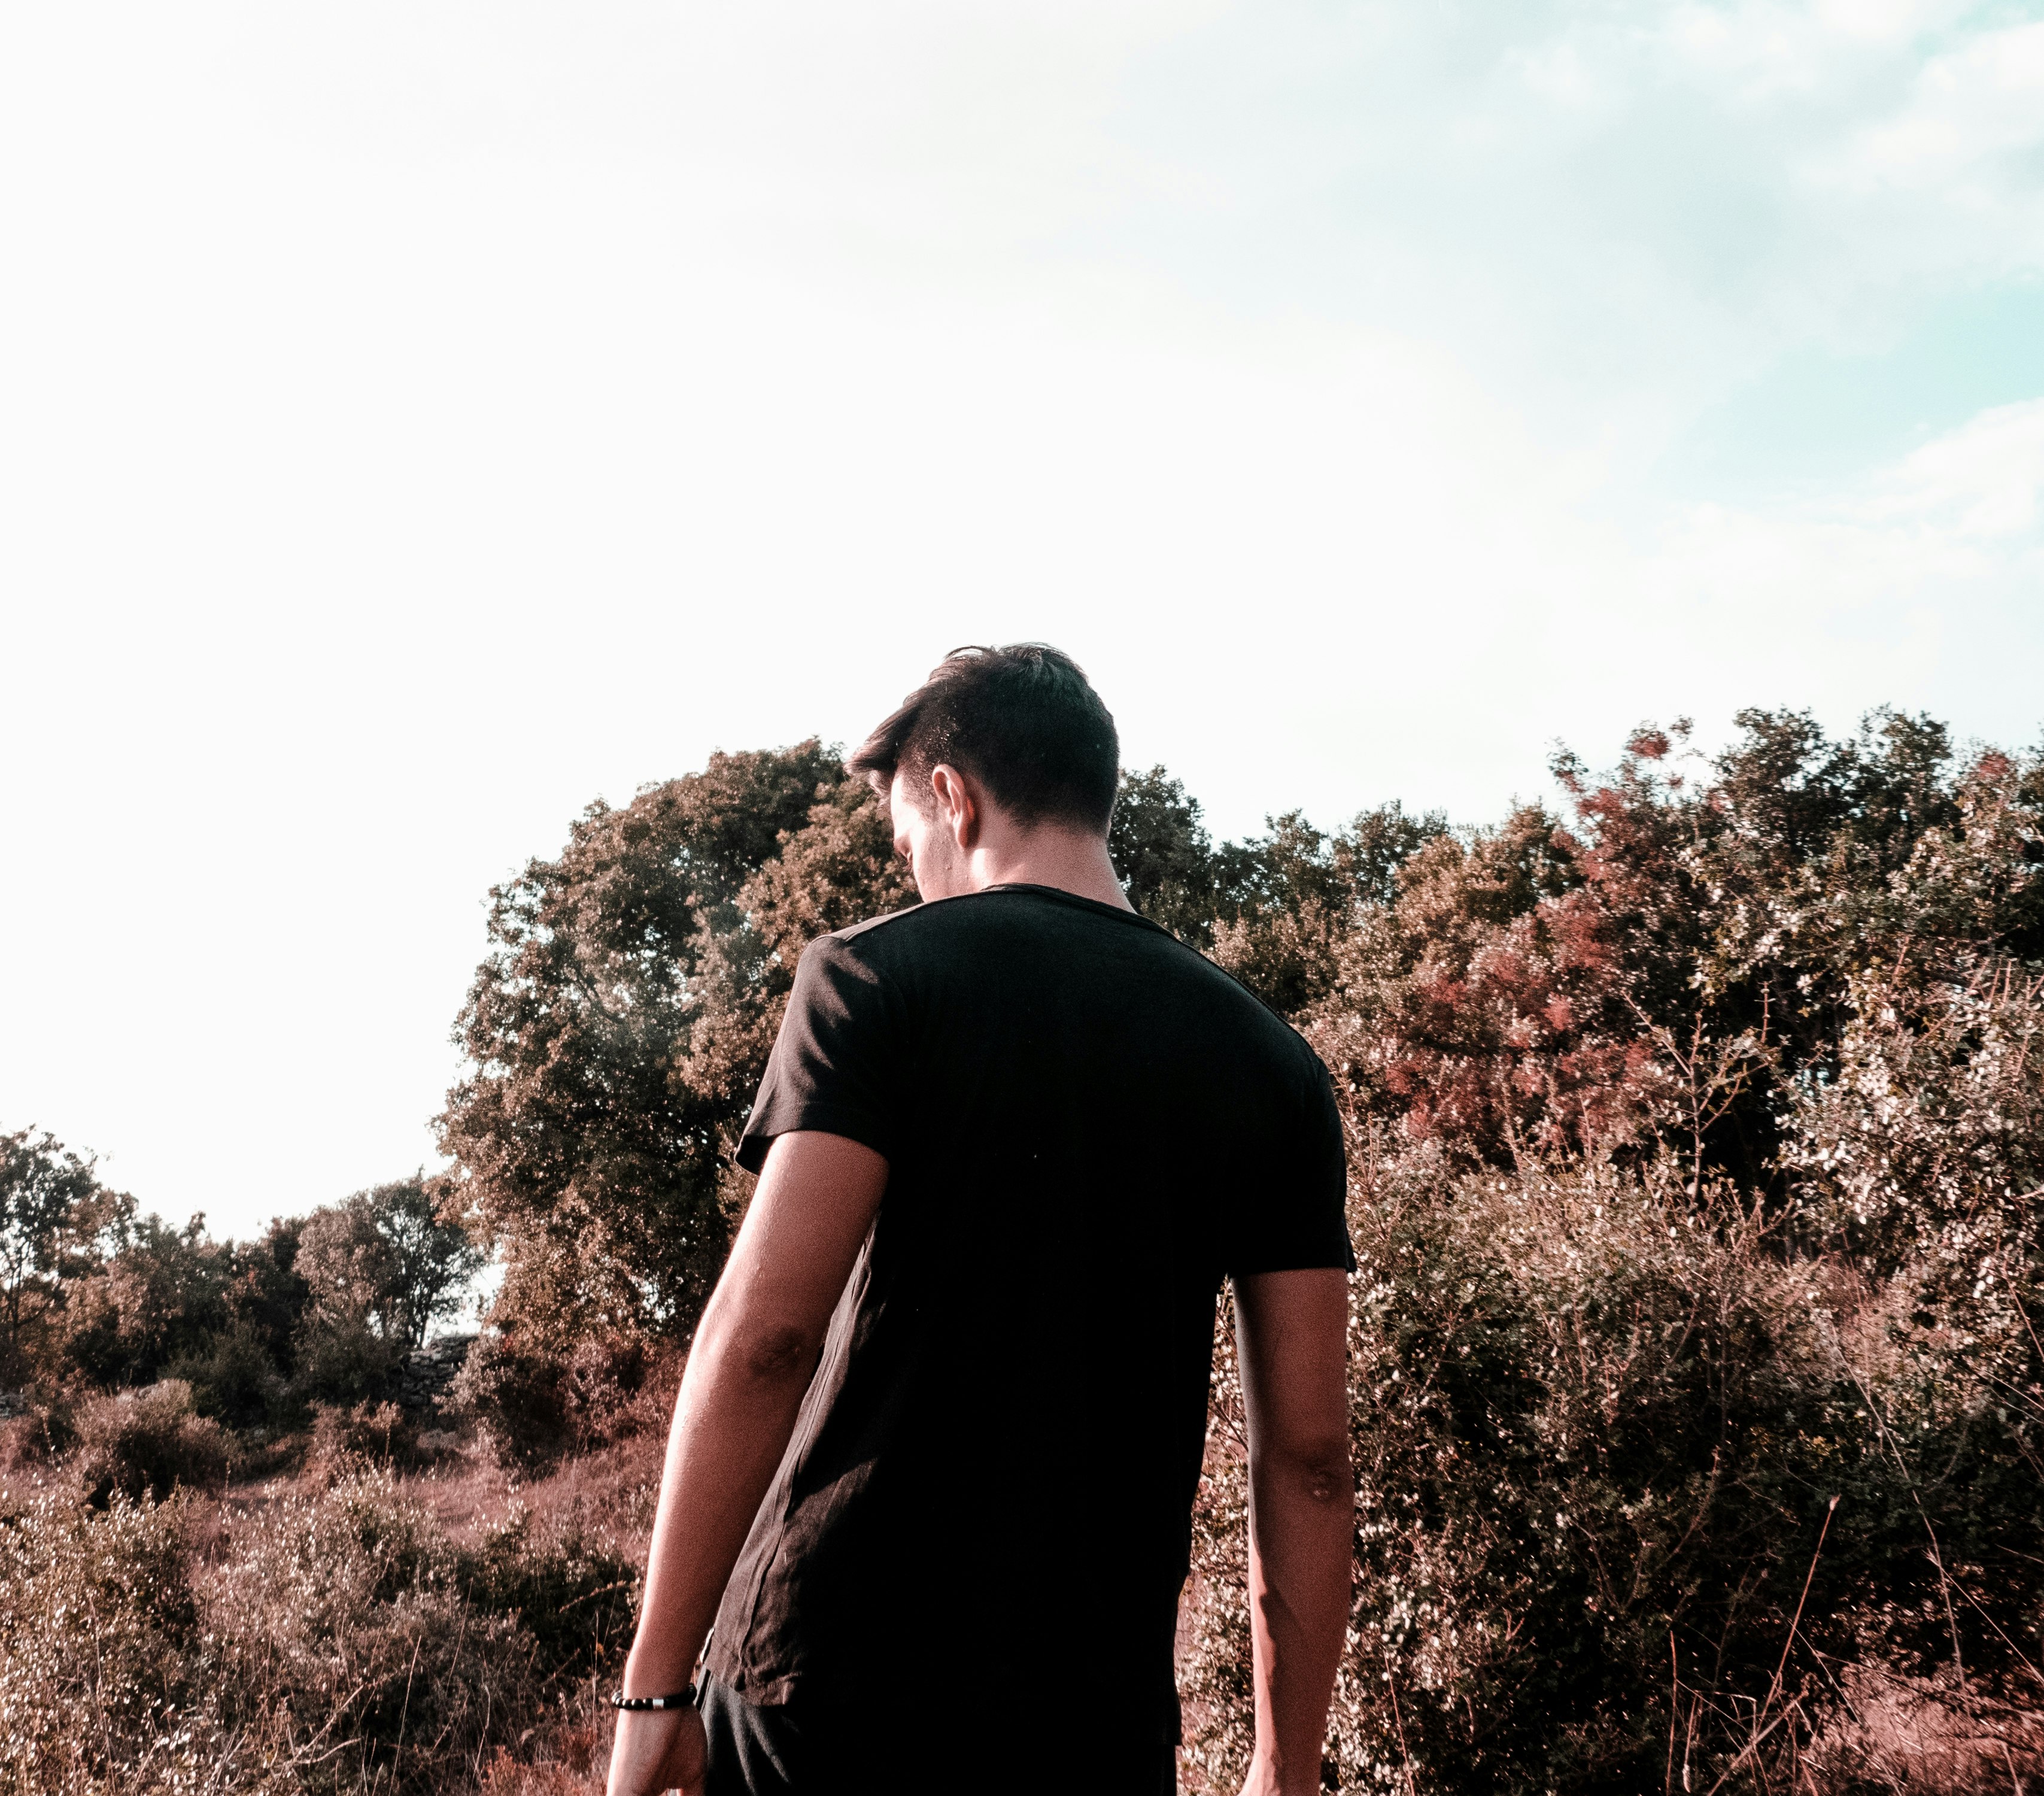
{"x":1293,"y":1331}
{"x":753,"y":1356}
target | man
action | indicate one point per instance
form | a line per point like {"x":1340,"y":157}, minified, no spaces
{"x":935,"y":1454}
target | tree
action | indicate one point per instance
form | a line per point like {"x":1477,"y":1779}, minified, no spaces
{"x":350,"y":1267}
{"x":351,"y":1333}
{"x":431,"y":1258}
{"x":160,"y":1296}
{"x":1164,"y":856}
{"x":378,"y":1267}
{"x":51,"y":1207}
{"x":614,"y":1027}
{"x":266,"y":1290}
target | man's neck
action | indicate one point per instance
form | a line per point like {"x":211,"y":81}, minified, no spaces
{"x":1066,"y":859}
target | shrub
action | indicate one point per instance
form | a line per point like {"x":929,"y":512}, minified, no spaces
{"x":572,"y":1594}
{"x":349,"y":1642}
{"x":341,"y":1358}
{"x":345,"y":1441}
{"x":160,"y":1298}
{"x":1926,"y":1138}
{"x":1597,"y":1429}
{"x":518,"y":1395}
{"x":233,"y":1377}
{"x":147,"y":1442}
{"x":538,"y":1405}
{"x":100,"y":1641}
{"x":33,"y":1437}
{"x":322,"y":1642}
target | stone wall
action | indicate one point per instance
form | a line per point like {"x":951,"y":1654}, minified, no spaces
{"x":423,"y":1379}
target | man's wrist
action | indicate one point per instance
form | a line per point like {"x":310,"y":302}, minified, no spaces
{"x":660,"y":1672}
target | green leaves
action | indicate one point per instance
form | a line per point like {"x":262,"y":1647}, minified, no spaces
{"x":618,"y":1027}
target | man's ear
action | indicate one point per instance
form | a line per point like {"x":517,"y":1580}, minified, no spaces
{"x":958,"y":804}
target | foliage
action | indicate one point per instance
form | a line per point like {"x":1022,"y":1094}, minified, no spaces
{"x":538,"y":1404}
{"x":621,"y":1020}
{"x":331,"y":1641}
{"x":1697,"y":1155}
{"x":385,"y":1260}
{"x":162,"y":1294}
{"x":322,"y":1307}
{"x":1164,"y":856}
{"x":51,"y":1208}
{"x":1924,"y":1141}
{"x":148,"y":1443}
{"x":98,"y":1622}
{"x":378,"y":1267}
{"x":1698,"y":1137}
{"x":1597,"y":1431}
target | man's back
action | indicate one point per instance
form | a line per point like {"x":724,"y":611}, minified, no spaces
{"x":1087,"y":1125}
{"x":937,"y":1441}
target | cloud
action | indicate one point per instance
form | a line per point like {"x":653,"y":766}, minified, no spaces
{"x":1979,"y":485}
{"x":1969,"y":128}
{"x":1918,"y":583}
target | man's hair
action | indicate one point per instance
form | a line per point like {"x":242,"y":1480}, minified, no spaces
{"x":1022,"y":719}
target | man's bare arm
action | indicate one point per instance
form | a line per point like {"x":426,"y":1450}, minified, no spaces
{"x":753,"y":1354}
{"x":1292,"y":1330}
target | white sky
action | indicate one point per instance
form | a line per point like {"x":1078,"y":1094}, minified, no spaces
{"x":418,"y":420}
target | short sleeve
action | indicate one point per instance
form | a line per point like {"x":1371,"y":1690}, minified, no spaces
{"x":1294,"y":1214}
{"x":832,"y":1063}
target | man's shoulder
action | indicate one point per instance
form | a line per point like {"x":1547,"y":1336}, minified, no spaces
{"x":999,"y":910}
{"x":946,"y":935}
{"x":856,"y":931}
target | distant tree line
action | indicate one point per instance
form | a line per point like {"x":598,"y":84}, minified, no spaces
{"x":320,"y":1308}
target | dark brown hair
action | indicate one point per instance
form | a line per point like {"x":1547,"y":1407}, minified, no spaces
{"x":1022,"y":719}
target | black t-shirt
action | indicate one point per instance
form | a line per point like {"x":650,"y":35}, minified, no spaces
{"x":1087,"y":1125}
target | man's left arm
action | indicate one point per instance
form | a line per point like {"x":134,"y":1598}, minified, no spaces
{"x":1293,"y":1327}
{"x":753,"y":1356}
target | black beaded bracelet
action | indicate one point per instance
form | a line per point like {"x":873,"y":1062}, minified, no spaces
{"x":681,"y":1699}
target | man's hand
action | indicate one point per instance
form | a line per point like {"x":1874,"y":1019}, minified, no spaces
{"x":656,"y":1750}
{"x":1293,"y":1330}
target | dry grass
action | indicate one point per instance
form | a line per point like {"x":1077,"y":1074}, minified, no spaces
{"x":1891,"y":1733}
{"x":421,"y":1620}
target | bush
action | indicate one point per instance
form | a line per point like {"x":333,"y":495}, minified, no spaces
{"x":148,"y":1443}
{"x":518,"y":1395}
{"x":341,"y":1358}
{"x":538,"y":1405}
{"x":1597,"y":1429}
{"x":331,"y":1642}
{"x":349,"y":1642}
{"x":100,"y":1641}
{"x":346,"y":1441}
{"x":572,"y":1594}
{"x":33,"y":1437}
{"x":234,"y":1378}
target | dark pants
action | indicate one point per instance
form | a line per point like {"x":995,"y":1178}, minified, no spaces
{"x":792,"y":1749}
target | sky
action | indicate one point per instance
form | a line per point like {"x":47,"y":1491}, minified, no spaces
{"x":419,"y":420}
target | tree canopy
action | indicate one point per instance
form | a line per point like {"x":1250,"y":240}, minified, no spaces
{"x":1669,"y":964}
{"x":618,"y":1027}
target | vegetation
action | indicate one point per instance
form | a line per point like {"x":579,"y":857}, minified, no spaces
{"x":1697,"y":1146}
{"x":1697,"y":1150}
{"x":618,"y":1030}
{"x":334,"y":1640}
{"x":321,"y":1309}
